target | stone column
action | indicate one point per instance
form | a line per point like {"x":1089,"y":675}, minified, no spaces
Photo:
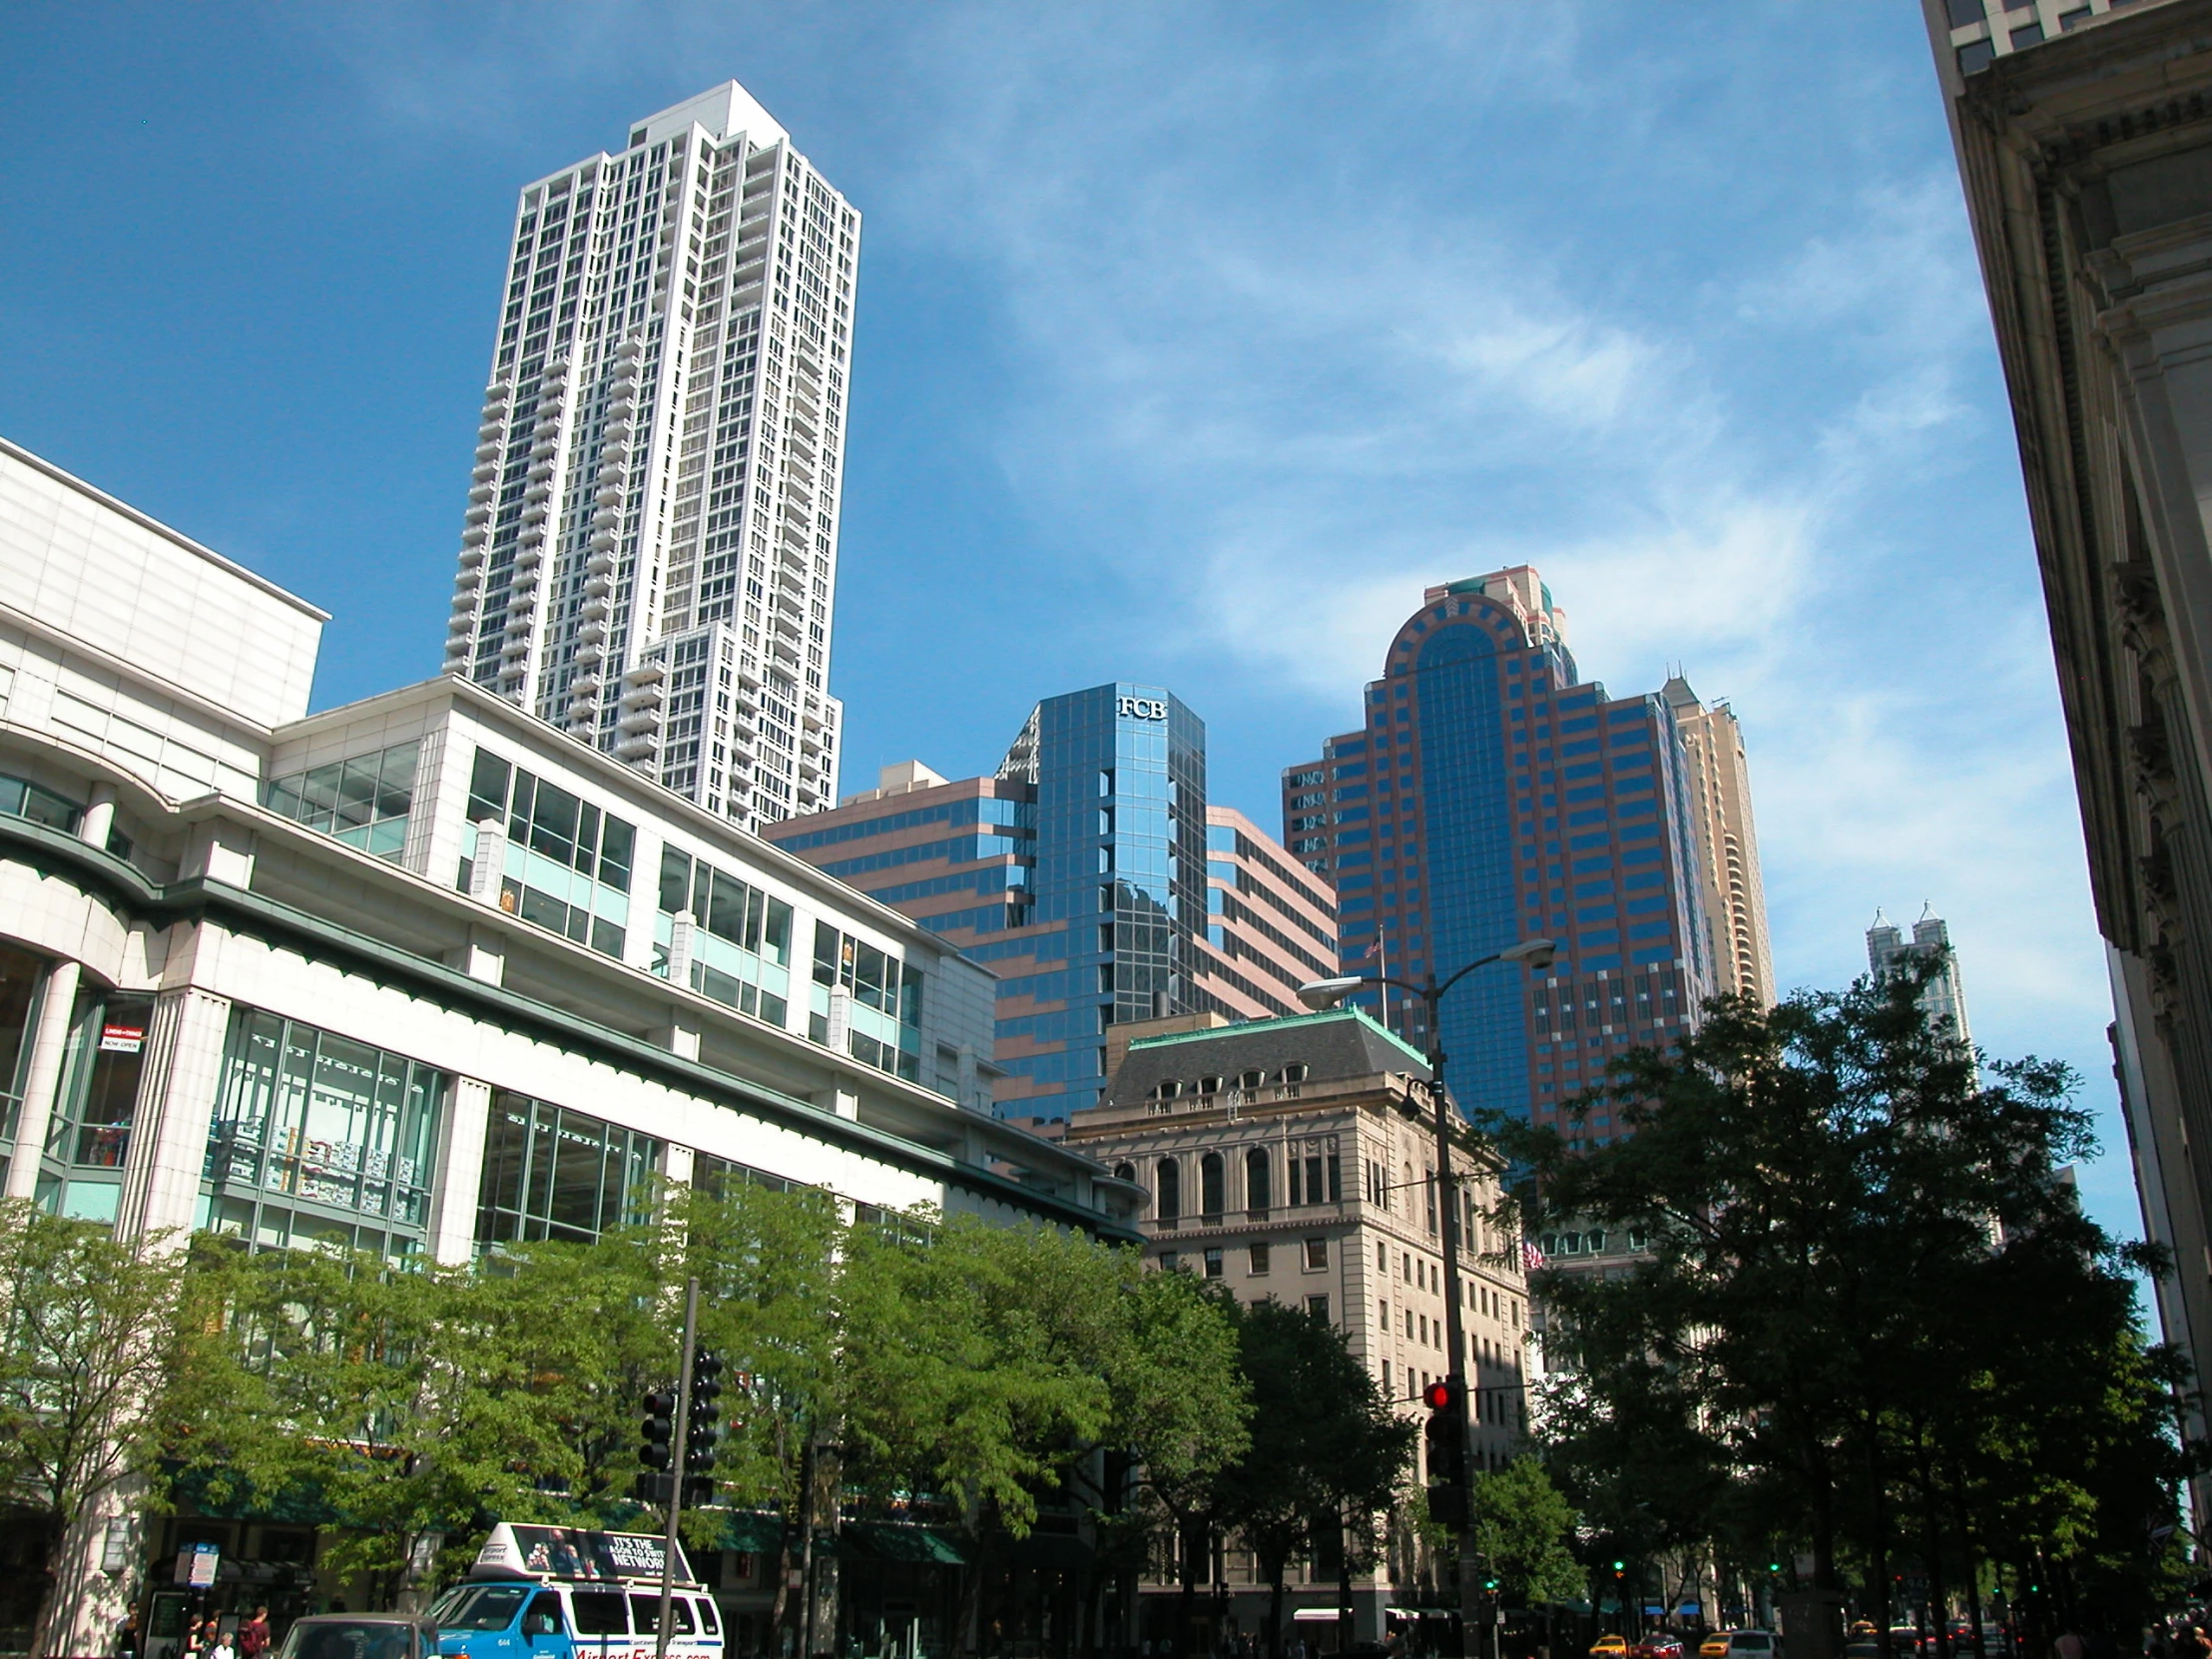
{"x":49,"y":1049}
{"x":99,"y":817}
{"x":460,"y":1171}
{"x":176,"y":1106}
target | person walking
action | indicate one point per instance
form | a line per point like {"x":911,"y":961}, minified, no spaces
{"x":253,"y":1635}
{"x":127,"y":1638}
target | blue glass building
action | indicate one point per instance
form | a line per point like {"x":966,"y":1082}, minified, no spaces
{"x":1078,"y":873}
{"x":1489,"y":798}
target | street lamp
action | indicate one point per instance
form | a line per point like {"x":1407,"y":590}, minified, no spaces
{"x":1327,"y":994}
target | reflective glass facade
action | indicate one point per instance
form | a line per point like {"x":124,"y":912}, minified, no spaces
{"x":1078,"y":873}
{"x":1491,"y":798}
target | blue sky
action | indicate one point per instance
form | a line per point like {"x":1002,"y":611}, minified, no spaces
{"x":1191,"y":341}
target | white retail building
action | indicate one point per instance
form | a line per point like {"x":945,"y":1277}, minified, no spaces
{"x":420,"y":974}
{"x":649,"y":549}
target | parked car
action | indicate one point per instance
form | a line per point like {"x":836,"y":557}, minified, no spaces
{"x":1657,"y":1645}
{"x":1609,"y":1647}
{"x":362,"y":1636}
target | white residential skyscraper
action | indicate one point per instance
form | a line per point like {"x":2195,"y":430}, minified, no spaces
{"x":651,"y":544}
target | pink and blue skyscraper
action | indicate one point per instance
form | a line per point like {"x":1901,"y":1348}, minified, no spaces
{"x":1493,"y":796}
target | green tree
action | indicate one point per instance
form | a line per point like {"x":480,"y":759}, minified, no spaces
{"x":86,"y":1333}
{"x":1520,"y":1532}
{"x":1834,"y":1194}
{"x":409,"y":1404}
{"x":1325,"y":1443}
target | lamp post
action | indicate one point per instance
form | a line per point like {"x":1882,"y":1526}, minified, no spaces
{"x":1327,"y":994}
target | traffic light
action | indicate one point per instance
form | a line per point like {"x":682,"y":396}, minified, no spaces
{"x":1619,"y":1567}
{"x":659,"y":1429}
{"x":1445,"y":1438}
{"x":703,"y":1430}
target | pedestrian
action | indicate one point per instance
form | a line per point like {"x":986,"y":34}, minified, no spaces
{"x":127,"y":1638}
{"x":219,"y":1645}
{"x":253,"y":1635}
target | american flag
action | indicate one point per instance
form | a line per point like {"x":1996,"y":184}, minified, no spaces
{"x":1373,"y":949}
{"x":1531,"y":1259}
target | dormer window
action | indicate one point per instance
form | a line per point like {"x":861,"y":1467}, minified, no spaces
{"x":1295,"y":1072}
{"x":1252,"y":1079}
{"x":1166,"y":1091}
{"x":1209,"y":1085}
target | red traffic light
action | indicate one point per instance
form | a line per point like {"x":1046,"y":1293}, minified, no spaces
{"x":1440,"y":1395}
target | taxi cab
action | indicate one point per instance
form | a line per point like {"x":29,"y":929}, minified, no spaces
{"x":556,"y":1592}
{"x":1609,"y":1647}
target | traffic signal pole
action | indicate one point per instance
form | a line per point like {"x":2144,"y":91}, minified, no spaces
{"x":677,"y":1465}
{"x":1455,"y":1331}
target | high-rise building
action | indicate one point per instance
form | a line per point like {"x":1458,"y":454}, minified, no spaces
{"x":1490,"y":796}
{"x":1729,"y":887}
{"x":2084,"y":142}
{"x":649,"y":549}
{"x":1091,"y":874}
{"x":1888,"y":949}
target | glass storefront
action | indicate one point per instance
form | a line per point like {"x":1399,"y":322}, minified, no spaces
{"x":88,"y":1139}
{"x":21,"y":975}
{"x":317,"y":1138}
{"x":550,"y":1173}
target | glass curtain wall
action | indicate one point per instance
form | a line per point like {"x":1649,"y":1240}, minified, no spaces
{"x":21,"y":972}
{"x":741,"y":945}
{"x":88,"y":1140}
{"x":567,"y":867}
{"x":317,"y":1138}
{"x":551,"y":1172}
{"x":887,"y":1001}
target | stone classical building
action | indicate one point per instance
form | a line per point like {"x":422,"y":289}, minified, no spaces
{"x":419,"y":975}
{"x":2085,"y":141}
{"x":1293,"y":1158}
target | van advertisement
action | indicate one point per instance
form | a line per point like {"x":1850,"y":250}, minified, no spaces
{"x":573,"y":1554}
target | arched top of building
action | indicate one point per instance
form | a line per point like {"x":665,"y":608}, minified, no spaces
{"x":1484,"y":616}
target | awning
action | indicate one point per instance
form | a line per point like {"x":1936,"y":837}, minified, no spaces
{"x":750,"y":1531}
{"x":897,"y":1541}
{"x":1316,"y":1615}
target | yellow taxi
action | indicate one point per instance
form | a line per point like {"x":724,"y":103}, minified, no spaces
{"x":1609,"y":1647}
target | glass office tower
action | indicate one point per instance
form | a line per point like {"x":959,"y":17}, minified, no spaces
{"x":1490,"y":797}
{"x":1078,"y":873}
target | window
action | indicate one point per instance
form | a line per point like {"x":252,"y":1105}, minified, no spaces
{"x":20,"y":798}
{"x":885,"y":1006}
{"x":1295,"y":1072}
{"x":741,"y":939}
{"x":1213,"y":1263}
{"x":98,"y":1102}
{"x":567,"y":864}
{"x":1316,"y":1253}
{"x":1169,"y":1260}
{"x":1125,"y":1172}
{"x":21,"y":976}
{"x":1252,"y":1079}
{"x":363,"y":801}
{"x":1210,"y":1183}
{"x":319,"y":1119}
{"x":600,"y":1612}
{"x":1259,"y":1261}
{"x":551,"y":1172}
{"x":1382,"y":1257}
{"x":1259,"y":1179}
{"x":1317,"y":1305}
{"x":1171,"y":1190}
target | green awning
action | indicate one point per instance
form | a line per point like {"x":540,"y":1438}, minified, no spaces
{"x":750,"y":1531}
{"x":898,"y":1541}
